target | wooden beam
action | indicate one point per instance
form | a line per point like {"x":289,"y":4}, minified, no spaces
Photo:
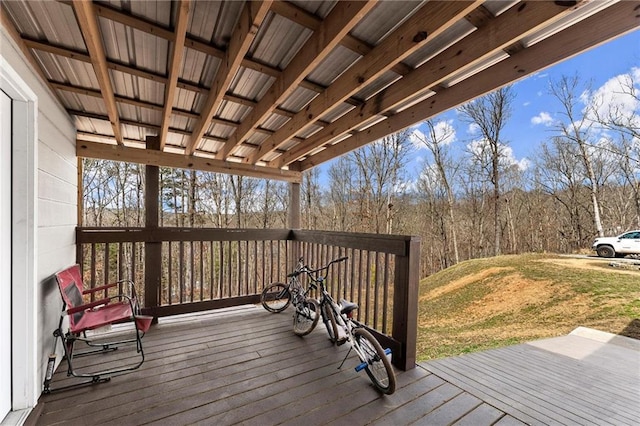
{"x":343,"y":17}
{"x":495,"y":34}
{"x":158,"y":78}
{"x":302,"y":17}
{"x":13,"y":33}
{"x":88,"y":23}
{"x":427,"y":23}
{"x":158,"y":158}
{"x":148,"y":27}
{"x":56,"y":50}
{"x":599,"y":28}
{"x":152,"y":250}
{"x":250,"y":20}
{"x":175,"y":63}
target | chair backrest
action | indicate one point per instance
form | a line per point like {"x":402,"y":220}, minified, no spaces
{"x":70,"y":285}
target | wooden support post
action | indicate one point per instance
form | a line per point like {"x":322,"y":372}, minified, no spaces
{"x":294,"y":205}
{"x":294,"y":222}
{"x":152,"y":250}
{"x":80,"y":209}
{"x":405,"y":304}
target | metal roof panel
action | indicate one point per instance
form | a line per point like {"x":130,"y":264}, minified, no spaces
{"x":383,"y":19}
{"x":338,"y":61}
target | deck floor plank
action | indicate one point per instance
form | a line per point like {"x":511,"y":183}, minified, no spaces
{"x":592,"y":396}
{"x":538,"y":385}
{"x":483,"y":414}
{"x":245,"y":366}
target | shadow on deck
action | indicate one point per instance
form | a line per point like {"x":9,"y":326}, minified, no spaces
{"x":245,"y":365}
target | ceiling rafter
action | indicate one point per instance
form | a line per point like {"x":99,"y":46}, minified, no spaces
{"x":444,"y":80}
{"x":123,"y":121}
{"x":250,"y":19}
{"x":145,"y":26}
{"x":149,"y":105}
{"x":493,"y":35}
{"x":164,"y":159}
{"x":13,"y":33}
{"x":428,"y":22}
{"x":302,"y":17}
{"x":88,"y":23}
{"x":343,"y":17}
{"x":612,"y":22}
{"x":158,"y":78}
{"x":175,"y":63}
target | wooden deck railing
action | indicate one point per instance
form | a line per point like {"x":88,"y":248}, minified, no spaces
{"x":190,"y":269}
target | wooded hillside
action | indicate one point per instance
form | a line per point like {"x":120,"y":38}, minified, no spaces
{"x":470,"y":199}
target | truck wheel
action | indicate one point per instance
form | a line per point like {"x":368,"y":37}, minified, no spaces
{"x":606,"y":251}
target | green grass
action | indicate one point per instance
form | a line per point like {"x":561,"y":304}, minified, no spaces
{"x":493,"y":302}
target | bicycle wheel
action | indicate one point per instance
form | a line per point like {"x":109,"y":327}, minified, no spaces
{"x":306,"y":317}
{"x":275,"y":297}
{"x":330,"y":322}
{"x":378,"y":366}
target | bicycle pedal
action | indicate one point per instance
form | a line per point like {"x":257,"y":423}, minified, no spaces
{"x":341,"y":341}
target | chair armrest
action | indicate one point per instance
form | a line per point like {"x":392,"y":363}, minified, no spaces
{"x":102,"y":287}
{"x":132,"y":286}
{"x":87,"y":306}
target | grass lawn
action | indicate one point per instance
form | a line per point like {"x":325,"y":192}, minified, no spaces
{"x":487,"y":303}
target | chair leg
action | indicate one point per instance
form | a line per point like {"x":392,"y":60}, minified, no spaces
{"x":68,"y":342}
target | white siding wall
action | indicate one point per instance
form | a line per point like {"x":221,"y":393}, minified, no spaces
{"x":56,"y":200}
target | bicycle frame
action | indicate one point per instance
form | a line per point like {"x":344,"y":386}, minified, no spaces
{"x":360,"y":340}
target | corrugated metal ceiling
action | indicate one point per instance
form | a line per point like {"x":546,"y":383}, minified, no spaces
{"x":257,"y":117}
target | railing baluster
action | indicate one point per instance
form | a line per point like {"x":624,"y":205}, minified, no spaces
{"x":120,"y":266}
{"x":93,"y":270}
{"x":385,"y":292}
{"x":380,"y":275}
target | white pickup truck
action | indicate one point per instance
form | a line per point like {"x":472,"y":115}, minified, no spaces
{"x":620,"y":246}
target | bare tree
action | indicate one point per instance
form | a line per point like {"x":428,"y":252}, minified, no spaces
{"x":311,"y":199}
{"x":615,"y":108}
{"x":378,"y":172}
{"x":576,"y":129}
{"x":437,"y":140}
{"x":341,"y":194}
{"x":490,"y":114}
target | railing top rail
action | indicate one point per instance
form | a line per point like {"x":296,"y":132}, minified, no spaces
{"x":384,"y":243}
{"x":135,"y":234}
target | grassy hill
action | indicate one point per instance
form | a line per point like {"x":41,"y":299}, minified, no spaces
{"x":486,"y":303}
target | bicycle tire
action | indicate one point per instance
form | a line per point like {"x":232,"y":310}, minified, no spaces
{"x":378,"y":366}
{"x":275,"y":297}
{"x":329,"y":321}
{"x":305,"y":317}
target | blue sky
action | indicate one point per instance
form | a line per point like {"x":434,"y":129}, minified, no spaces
{"x":596,"y":66}
{"x":524,"y":133}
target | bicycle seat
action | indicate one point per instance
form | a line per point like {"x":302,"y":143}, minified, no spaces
{"x":347,"y":306}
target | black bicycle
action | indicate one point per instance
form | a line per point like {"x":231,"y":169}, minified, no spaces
{"x":277,"y":297}
{"x":343,"y":328}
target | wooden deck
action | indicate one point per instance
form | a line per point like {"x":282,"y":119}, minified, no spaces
{"x":245,"y":366}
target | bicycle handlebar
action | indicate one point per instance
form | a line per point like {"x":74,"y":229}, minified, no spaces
{"x":325,"y":267}
{"x":305,"y":269}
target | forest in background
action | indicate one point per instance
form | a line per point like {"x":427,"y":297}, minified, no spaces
{"x":465,"y":203}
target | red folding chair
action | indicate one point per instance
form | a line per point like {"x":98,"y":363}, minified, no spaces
{"x":101,"y":311}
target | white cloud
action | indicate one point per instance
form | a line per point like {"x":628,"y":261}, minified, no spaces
{"x":473,"y":129}
{"x":445,"y":134}
{"x":543,"y":118}
{"x":614,"y":97}
{"x":509,"y":159}
{"x":480,"y":149}
{"x":416,"y":137}
{"x":526,"y":104}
